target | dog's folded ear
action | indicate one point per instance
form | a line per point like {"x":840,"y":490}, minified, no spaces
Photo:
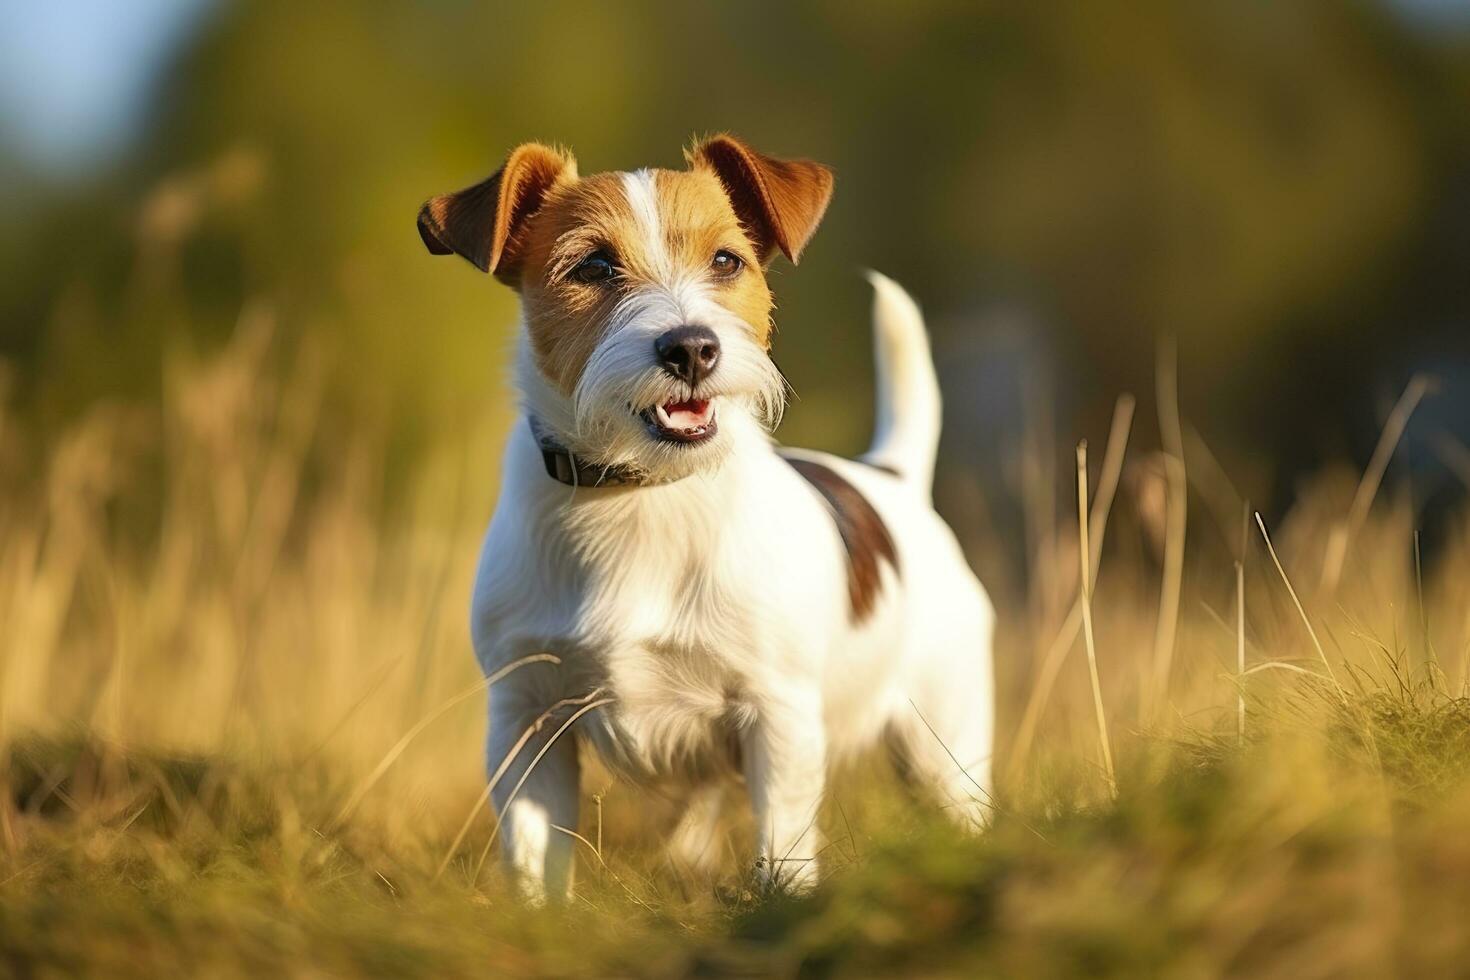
{"x":484,"y":223}
{"x":780,"y":202}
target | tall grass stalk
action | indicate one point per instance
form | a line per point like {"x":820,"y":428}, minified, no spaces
{"x":1085,"y":597}
{"x":1301,"y":610}
{"x":479,"y":687}
{"x":535,"y":761}
{"x":1175,"y":527}
{"x":1240,"y":650}
{"x":1051,"y":664}
{"x":1341,"y":537}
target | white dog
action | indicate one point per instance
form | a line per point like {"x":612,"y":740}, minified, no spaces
{"x":719,"y":608}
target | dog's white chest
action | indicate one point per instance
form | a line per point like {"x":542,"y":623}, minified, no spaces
{"x":676,"y":644}
{"x":678,"y":714}
{"x":654,"y":608}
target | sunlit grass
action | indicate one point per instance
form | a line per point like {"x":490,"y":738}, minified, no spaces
{"x":241,"y":733}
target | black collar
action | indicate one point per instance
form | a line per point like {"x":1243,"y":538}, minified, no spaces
{"x":566,"y":468}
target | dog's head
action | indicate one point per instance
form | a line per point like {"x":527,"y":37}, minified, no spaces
{"x":645,"y":306}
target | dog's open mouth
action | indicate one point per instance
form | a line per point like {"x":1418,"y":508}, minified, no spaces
{"x":687,"y":421}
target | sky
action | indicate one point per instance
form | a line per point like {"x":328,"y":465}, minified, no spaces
{"x":76,"y":76}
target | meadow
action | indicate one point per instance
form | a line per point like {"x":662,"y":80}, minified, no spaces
{"x":250,"y":431}
{"x":240,"y":730}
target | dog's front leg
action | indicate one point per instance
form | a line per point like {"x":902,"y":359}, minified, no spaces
{"x":785,"y":770}
{"x":533,"y":802}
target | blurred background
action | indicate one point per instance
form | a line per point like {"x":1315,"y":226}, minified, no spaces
{"x":1283,"y":190}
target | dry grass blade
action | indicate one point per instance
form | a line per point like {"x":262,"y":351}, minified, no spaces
{"x":964,"y":770}
{"x":1245,"y":540}
{"x":1209,"y":480}
{"x":597,"y":853}
{"x":398,"y":748}
{"x":500,"y":770}
{"x":1175,"y":527}
{"x":1083,"y":562}
{"x":1240,"y":649}
{"x":1301,"y":611}
{"x":1112,"y":471}
{"x":1393,"y":431}
{"x":1427,"y":640}
{"x":535,"y":761}
{"x":1282,"y":665}
{"x":1051,"y":664}
{"x":384,"y":672}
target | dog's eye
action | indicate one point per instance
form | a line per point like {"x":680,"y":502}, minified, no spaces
{"x":726,"y":263}
{"x":595,"y":268}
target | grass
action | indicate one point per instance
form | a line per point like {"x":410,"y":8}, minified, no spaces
{"x":240,"y":733}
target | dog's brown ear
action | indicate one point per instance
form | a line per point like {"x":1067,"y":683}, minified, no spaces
{"x":780,"y":202}
{"x":483,"y":223}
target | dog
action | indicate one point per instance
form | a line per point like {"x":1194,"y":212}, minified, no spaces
{"x":660,"y":580}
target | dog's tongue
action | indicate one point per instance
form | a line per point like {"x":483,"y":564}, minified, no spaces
{"x":689,"y":414}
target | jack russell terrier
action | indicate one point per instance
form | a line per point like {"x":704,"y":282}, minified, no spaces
{"x":716,"y":608}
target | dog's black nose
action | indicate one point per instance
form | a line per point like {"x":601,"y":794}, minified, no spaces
{"x":689,"y":353}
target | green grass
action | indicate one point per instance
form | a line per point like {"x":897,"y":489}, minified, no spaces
{"x":1327,"y":852}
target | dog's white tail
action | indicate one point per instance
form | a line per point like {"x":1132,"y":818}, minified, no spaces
{"x":906,"y":433}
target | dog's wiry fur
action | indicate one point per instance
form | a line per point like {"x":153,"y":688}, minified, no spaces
{"x":717,"y":604}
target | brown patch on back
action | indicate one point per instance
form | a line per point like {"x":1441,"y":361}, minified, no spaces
{"x":864,"y":535}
